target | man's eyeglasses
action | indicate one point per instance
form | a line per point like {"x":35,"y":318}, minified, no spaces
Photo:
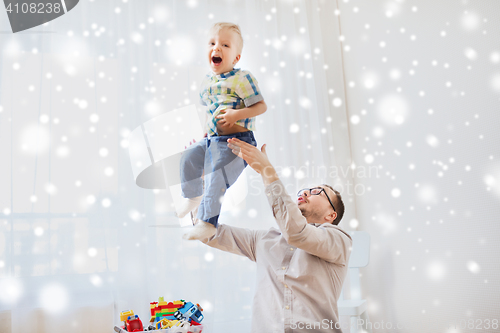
{"x":316,"y":191}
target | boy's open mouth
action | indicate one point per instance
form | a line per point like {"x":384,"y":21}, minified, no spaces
{"x":216,"y":60}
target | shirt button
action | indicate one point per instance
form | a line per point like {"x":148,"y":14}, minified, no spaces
{"x":286,"y":286}
{"x":283,"y":268}
{"x":268,"y":194}
{"x":291,"y":249}
{"x":287,"y":307}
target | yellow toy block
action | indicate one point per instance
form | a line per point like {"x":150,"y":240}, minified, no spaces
{"x":124,"y":315}
{"x":167,"y":323}
{"x":173,"y":323}
{"x":164,"y":323}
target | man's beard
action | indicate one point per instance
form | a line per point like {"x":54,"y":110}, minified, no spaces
{"x":303,"y":211}
{"x":308,"y":214}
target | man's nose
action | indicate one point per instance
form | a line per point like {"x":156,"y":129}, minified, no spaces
{"x":216,"y":47}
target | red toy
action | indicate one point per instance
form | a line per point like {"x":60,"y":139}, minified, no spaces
{"x":134,"y":324}
{"x":131,"y":322}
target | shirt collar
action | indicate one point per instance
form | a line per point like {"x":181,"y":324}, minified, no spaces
{"x":227,"y":74}
{"x":322,"y":224}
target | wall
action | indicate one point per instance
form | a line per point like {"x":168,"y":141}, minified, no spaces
{"x":423,"y":109}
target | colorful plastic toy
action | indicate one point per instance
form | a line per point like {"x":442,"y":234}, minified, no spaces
{"x":162,"y":324}
{"x":134,"y":324}
{"x":190,"y":312}
{"x":124,"y":315}
{"x":165,"y":310}
{"x":175,"y":317}
{"x":131,"y":322}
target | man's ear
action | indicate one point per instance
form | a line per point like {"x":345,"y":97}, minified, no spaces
{"x":331,"y":217}
{"x":237,"y":59}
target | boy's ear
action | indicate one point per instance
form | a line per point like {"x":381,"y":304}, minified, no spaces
{"x":237,"y":59}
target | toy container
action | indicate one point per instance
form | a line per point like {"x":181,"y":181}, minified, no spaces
{"x":192,"y":329}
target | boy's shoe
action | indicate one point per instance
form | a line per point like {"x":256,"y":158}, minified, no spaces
{"x":201,"y":230}
{"x":187,"y":205}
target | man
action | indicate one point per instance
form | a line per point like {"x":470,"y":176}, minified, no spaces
{"x":301,"y":267}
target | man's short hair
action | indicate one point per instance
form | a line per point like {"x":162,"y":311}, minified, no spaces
{"x":339,"y":205}
{"x":231,"y":26}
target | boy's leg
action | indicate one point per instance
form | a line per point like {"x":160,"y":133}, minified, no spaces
{"x":209,"y":208}
{"x":222,"y":168}
{"x":203,"y":229}
{"x":225,"y":169}
{"x":192,"y":163}
{"x":234,"y":169}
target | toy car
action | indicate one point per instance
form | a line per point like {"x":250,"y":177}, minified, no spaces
{"x":190,"y":312}
{"x":131,"y":322}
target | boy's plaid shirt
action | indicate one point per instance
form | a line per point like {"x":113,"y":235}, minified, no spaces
{"x":236,"y":89}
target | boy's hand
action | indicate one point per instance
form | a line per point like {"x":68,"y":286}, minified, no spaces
{"x":228,"y":117}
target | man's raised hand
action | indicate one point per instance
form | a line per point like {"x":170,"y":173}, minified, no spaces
{"x":257,"y":159}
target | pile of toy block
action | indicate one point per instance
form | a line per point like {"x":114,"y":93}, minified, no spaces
{"x":170,"y":317}
{"x":175,"y":314}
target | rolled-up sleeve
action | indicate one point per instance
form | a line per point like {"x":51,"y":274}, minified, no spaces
{"x":235,"y":240}
{"x":329,"y":243}
{"x":248,"y":90}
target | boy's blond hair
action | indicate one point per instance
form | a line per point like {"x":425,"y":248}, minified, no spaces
{"x":231,"y":26}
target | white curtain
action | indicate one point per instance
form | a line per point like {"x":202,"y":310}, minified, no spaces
{"x":79,"y":241}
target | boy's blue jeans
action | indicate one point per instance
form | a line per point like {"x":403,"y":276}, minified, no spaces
{"x":222,"y":168}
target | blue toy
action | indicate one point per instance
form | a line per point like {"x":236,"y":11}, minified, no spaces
{"x":190,"y":312}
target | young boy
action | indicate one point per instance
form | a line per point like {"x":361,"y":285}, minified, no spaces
{"x":233,"y":100}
